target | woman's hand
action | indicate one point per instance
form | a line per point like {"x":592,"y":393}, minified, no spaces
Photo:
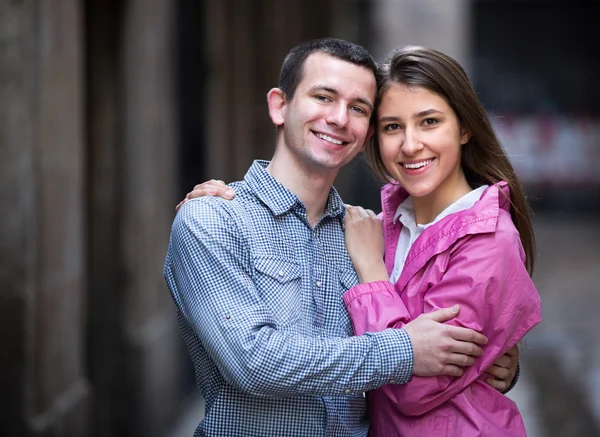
{"x":364,"y":241}
{"x":504,"y":370}
{"x":208,"y":188}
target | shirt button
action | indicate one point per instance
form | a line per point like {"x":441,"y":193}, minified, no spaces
{"x":392,"y":381}
{"x":319,"y":283}
{"x":281,"y":273}
{"x":228,"y":316}
{"x":347,"y":391}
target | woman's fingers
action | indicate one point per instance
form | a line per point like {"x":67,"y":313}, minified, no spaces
{"x":499,"y":385}
{"x":211,"y":188}
{"x":214,"y":187}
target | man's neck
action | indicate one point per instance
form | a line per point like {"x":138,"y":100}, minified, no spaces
{"x":311,"y":187}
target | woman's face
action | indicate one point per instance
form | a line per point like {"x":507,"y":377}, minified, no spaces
{"x":420,"y":141}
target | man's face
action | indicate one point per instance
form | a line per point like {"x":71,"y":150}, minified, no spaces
{"x":327,"y":122}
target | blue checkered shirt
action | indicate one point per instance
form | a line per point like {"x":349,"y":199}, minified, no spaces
{"x":259,"y":301}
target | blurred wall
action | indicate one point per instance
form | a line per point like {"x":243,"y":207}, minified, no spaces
{"x":135,"y":357}
{"x":442,"y":25}
{"x":45,"y":386}
{"x":535,"y":68}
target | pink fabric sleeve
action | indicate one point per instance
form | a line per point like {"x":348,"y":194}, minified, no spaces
{"x":375,"y":306}
{"x":487,"y":277}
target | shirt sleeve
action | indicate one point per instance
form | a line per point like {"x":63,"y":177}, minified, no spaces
{"x":208,"y":270}
{"x":487,"y":277}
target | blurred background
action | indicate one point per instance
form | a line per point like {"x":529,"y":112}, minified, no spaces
{"x":111,"y":111}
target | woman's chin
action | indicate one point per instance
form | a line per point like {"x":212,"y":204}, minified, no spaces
{"x":416,"y":191}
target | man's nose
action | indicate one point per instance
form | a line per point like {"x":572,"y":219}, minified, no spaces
{"x":338,"y":116}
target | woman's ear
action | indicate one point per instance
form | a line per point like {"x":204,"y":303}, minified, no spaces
{"x":277,"y":105}
{"x":464,"y":136}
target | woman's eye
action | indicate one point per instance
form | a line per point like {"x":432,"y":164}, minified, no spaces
{"x":391,"y":127}
{"x":429,"y":121}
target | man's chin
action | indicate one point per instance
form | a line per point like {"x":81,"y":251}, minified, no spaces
{"x":328,"y":166}
{"x":332,"y":163}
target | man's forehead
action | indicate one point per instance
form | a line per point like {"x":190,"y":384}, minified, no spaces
{"x":325,"y":70}
{"x":319,"y":60}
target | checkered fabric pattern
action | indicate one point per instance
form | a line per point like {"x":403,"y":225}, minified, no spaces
{"x":259,"y":301}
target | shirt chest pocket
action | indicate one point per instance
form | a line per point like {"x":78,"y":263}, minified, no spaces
{"x":348,"y":278}
{"x":278,"y":282}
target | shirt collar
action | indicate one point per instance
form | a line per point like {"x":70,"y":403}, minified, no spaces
{"x":406,"y":212}
{"x":278,"y":198}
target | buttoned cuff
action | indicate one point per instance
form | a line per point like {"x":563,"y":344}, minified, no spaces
{"x":397,"y":357}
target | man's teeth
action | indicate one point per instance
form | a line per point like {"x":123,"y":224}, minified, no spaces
{"x":328,"y":138}
{"x":418,"y":164}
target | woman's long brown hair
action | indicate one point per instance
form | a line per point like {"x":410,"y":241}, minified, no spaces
{"x":483,"y":159}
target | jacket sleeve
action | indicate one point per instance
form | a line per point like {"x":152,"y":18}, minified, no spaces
{"x":487,"y":277}
{"x":209,"y":273}
{"x":375,"y":306}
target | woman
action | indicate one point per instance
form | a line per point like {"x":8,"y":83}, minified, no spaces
{"x":456,"y":229}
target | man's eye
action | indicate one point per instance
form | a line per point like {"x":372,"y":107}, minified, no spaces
{"x":323,"y":98}
{"x":359,"y":110}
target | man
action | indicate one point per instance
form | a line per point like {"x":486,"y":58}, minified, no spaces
{"x":258,"y":280}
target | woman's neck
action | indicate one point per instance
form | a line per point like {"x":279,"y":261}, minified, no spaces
{"x":428,"y":207}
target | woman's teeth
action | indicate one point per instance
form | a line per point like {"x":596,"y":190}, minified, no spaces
{"x":417,"y":164}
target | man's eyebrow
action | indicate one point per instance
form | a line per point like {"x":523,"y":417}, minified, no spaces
{"x":365,"y":102}
{"x":335,"y":92}
{"x":324,"y":88}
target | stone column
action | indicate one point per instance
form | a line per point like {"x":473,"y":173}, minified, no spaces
{"x":42,"y":246}
{"x":135,"y":350}
{"x":151,"y":340}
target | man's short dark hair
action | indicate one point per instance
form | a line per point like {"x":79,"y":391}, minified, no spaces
{"x":292,"y":69}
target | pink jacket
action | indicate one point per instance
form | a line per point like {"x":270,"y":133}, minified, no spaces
{"x":474,"y":258}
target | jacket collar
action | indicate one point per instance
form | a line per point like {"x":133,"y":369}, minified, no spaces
{"x":482,"y":217}
{"x":495,"y":197}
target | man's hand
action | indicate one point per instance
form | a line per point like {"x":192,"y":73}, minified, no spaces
{"x":504,"y":370}
{"x":208,"y":188}
{"x":441,"y":349}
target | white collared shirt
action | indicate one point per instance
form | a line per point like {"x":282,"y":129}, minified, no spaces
{"x":411,"y":230}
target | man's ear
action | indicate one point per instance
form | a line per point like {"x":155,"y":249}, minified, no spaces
{"x":277,"y":105}
{"x":464,"y":136}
